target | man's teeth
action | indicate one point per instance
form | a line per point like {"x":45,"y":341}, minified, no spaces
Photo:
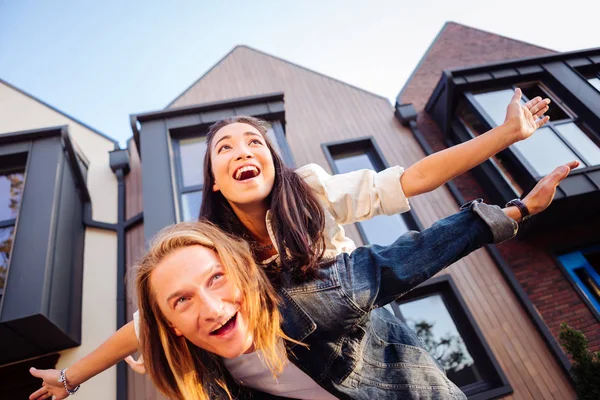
{"x":239,"y":172}
{"x":220,"y":326}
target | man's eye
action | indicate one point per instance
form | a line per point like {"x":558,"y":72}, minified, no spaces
{"x":217,"y":277}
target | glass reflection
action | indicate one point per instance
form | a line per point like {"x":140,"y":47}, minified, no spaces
{"x":192,"y":153}
{"x":494,"y":104}
{"x":273,"y":139}
{"x":6,"y":239}
{"x":382,"y":229}
{"x":544,"y":151}
{"x":11,"y":190}
{"x":581,"y":142}
{"x":595,"y":83}
{"x":432,"y":322}
{"x":190,"y":204}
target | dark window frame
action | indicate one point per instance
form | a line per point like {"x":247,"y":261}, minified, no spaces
{"x":574,"y":281}
{"x":368,"y":146}
{"x":486,"y":119}
{"x":198,"y":131}
{"x":497,"y":384}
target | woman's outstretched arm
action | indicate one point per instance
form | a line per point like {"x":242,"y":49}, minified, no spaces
{"x":436,"y":169}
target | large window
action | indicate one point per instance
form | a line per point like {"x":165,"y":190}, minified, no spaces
{"x":363,"y":154}
{"x":562,"y":140}
{"x":189,"y":159}
{"x":437,"y":314}
{"x":11,"y":189}
{"x":583,"y":269}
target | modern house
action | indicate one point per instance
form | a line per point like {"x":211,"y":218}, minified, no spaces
{"x":491,"y":319}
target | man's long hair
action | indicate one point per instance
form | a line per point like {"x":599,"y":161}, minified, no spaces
{"x":178,"y":368}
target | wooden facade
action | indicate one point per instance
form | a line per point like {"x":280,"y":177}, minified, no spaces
{"x":319,"y":109}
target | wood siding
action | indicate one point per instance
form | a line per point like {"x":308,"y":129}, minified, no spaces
{"x":320,"y":109}
{"x":139,"y":387}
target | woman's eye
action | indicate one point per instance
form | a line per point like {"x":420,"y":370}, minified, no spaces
{"x":217,"y":277}
{"x":224,"y":147}
{"x":255,"y":141}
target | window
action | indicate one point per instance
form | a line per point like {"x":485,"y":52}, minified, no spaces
{"x":594,"y":80}
{"x":189,"y":155}
{"x":363,"y":154}
{"x":583,"y":268}
{"x":562,"y":140}
{"x":437,"y":314}
{"x":11,"y":189}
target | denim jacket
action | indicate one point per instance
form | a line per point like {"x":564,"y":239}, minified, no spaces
{"x":357,"y":350}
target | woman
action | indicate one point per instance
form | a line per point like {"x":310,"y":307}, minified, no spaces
{"x":248,"y":179}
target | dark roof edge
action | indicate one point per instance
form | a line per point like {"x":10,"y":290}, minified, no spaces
{"x":527,"y":60}
{"x":96,"y":131}
{"x":134,"y":119}
{"x":43,"y":133}
{"x":236,"y":102}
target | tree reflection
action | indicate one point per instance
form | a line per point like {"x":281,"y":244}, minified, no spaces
{"x":11,"y":191}
{"x":447,"y":349}
{"x":450,"y":351}
{"x":6,"y":239}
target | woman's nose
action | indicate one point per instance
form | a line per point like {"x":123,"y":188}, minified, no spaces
{"x":244,"y":153}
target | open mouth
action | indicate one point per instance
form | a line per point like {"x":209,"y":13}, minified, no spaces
{"x":226,"y":327}
{"x":246,"y":172}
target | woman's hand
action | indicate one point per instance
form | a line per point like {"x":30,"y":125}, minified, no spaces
{"x":50,"y":385}
{"x":136,"y":365}
{"x":527,"y":117}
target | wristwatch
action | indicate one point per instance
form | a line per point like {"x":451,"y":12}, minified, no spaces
{"x":521,"y":206}
{"x":63,"y":379}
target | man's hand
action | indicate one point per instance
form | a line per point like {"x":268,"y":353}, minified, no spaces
{"x":543,"y":193}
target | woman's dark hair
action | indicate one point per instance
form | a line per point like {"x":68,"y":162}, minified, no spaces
{"x":297,"y":216}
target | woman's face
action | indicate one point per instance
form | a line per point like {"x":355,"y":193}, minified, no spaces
{"x":242,"y":164}
{"x":200,"y":302}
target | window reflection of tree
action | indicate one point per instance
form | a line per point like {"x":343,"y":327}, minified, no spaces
{"x":6,"y":238}
{"x":448,"y":348}
{"x":12,"y":201}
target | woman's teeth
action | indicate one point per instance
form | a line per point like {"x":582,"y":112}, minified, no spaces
{"x":246,"y":172}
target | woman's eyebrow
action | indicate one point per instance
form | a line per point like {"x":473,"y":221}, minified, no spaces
{"x":249,"y":133}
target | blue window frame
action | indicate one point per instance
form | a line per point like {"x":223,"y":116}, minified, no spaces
{"x":583,"y":268}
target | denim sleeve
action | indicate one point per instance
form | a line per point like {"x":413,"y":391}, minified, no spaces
{"x":376,"y":275}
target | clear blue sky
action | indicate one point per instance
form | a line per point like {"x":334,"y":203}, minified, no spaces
{"x":100,"y":61}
